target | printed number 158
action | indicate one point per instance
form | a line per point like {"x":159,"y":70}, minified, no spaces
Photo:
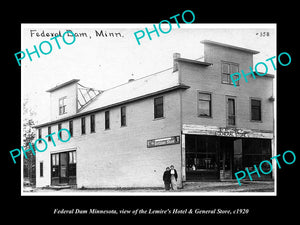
{"x":263,"y":34}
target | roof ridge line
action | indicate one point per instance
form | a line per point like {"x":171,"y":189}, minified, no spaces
{"x":139,"y":78}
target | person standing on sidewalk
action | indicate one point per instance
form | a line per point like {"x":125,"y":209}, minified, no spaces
{"x":167,"y":179}
{"x":174,"y":176}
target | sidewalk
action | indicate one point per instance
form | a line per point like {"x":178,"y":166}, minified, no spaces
{"x":203,"y":187}
{"x":230,"y":186}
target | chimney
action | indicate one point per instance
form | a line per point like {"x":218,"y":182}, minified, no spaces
{"x":175,"y":63}
{"x":131,"y":79}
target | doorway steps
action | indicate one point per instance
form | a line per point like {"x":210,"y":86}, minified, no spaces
{"x":60,"y":186}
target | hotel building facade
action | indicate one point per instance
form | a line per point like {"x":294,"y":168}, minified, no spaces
{"x":190,"y":116}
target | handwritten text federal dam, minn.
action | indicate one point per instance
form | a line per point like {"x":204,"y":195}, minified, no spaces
{"x":96,"y":33}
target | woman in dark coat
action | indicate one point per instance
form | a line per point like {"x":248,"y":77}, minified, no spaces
{"x":167,"y":179}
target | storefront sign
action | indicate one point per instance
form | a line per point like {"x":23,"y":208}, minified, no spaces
{"x":163,"y":141}
{"x":225,"y":131}
{"x":231,"y":132}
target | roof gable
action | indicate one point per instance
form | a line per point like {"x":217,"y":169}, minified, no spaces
{"x":85,"y":96}
{"x":63,"y":85}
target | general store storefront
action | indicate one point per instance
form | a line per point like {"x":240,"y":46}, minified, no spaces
{"x":216,"y":153}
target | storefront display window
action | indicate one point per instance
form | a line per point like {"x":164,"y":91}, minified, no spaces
{"x":256,"y":151}
{"x":201,"y":156}
{"x":213,"y":157}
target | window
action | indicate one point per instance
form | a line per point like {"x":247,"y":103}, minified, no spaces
{"x":158,"y":107}
{"x":256,"y":150}
{"x":255,"y":110}
{"x":58,"y":129}
{"x":55,"y":165}
{"x":106,"y":120}
{"x":92,"y":120}
{"x":72,"y":157}
{"x":62,"y":105}
{"x":204,"y":104}
{"x":72,"y":164}
{"x":55,"y":159}
{"x":231,"y":111}
{"x":49,"y":132}
{"x":41,"y":169}
{"x":71,"y":127}
{"x":201,"y":155}
{"x":123,"y":116}
{"x":40,"y":134}
{"x":83,"y":125}
{"x":227,"y":69}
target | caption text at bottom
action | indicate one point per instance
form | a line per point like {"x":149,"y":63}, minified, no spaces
{"x":186,"y":211}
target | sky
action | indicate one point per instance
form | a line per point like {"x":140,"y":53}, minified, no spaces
{"x":104,"y":62}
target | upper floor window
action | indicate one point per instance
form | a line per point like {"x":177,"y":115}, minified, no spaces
{"x":40,"y":134}
{"x":158,"y":107}
{"x":255,"y":110}
{"x":83,"y":125}
{"x":227,"y":69}
{"x":49,"y":132}
{"x":204,"y":104}
{"x":123,"y":116}
{"x":71,"y":127}
{"x":62,"y":105}
{"x":106,"y":120}
{"x":92,"y":120}
{"x":58,"y":129}
{"x":231,"y":114}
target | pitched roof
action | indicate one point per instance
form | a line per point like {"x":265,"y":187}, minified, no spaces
{"x":135,"y":89}
{"x":63,"y":85}
{"x":266,"y":75}
{"x":193,"y":61}
{"x":229,"y":46}
{"x":141,"y":88}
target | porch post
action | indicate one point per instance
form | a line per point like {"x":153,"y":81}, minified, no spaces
{"x":183,"y":157}
{"x":273,"y":153}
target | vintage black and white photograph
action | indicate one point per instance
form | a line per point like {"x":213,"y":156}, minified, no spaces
{"x":130,"y":109}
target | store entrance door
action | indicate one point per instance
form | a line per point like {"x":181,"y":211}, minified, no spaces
{"x":63,"y":179}
{"x":63,"y":168}
{"x":226,"y":157}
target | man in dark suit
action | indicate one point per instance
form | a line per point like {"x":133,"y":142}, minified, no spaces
{"x":167,"y":179}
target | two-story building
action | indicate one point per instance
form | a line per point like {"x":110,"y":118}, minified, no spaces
{"x":190,"y":116}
